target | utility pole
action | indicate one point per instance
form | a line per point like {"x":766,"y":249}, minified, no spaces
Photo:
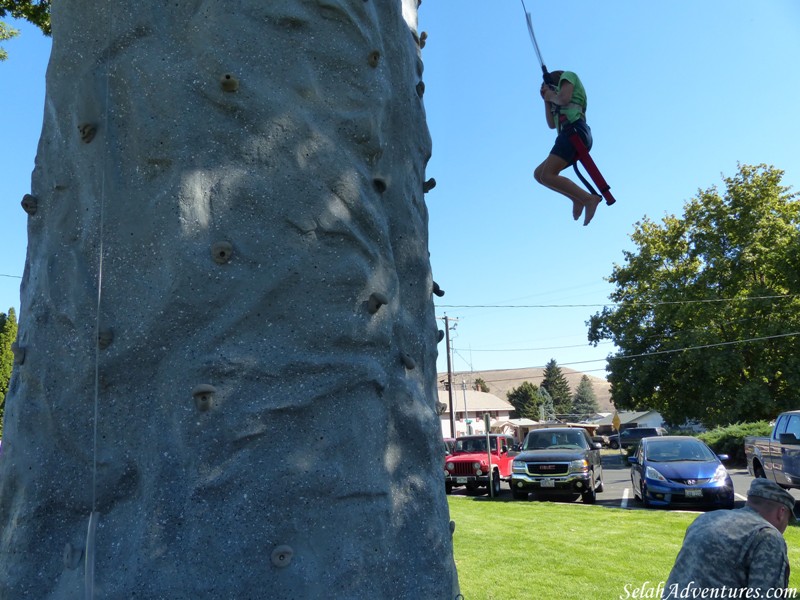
{"x":449,"y":376}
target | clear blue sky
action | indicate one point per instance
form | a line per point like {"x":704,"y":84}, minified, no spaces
{"x":679,"y":93}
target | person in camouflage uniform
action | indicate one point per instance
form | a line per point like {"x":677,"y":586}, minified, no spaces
{"x":732,"y":551}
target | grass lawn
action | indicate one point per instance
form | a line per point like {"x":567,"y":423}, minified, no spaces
{"x":508,"y":550}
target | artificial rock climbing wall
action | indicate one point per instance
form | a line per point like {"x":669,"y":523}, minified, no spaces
{"x":250,"y":413}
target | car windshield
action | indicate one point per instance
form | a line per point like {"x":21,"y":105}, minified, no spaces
{"x":541,"y":440}
{"x":477,"y":444}
{"x":678,"y":450}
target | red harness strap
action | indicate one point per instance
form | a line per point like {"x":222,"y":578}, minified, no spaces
{"x":590,"y":166}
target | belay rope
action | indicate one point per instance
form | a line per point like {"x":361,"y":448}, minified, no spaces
{"x":580,"y":148}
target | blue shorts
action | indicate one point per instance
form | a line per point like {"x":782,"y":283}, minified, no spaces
{"x":564,"y":149}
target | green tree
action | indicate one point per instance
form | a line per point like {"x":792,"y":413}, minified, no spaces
{"x":480,"y":385}
{"x":557,"y":386}
{"x":706,"y":309}
{"x":8,"y":334}
{"x":6,"y":33}
{"x":525,"y":399}
{"x":584,"y":403}
{"x":546,"y":410}
{"x":37,"y":13}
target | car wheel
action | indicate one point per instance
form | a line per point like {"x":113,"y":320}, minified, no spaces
{"x":614,"y":445}
{"x":448,"y":487}
{"x":590,"y":496}
{"x":645,"y":501}
{"x":600,"y":484}
{"x":496,"y":484}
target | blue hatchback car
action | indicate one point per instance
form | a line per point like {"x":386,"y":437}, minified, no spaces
{"x":680,"y":470}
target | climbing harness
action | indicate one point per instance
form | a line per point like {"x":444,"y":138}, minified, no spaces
{"x":581,"y":150}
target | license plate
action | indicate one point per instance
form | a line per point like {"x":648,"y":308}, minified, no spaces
{"x":461,"y":480}
{"x":694,"y":493}
{"x":548,"y":483}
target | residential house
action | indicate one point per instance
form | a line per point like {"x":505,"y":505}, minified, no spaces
{"x":469,"y":408}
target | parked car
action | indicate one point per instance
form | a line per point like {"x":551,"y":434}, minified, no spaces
{"x":777,"y":457}
{"x":631,"y":437}
{"x":680,"y":470}
{"x":558,"y":460}
{"x":468,"y":464}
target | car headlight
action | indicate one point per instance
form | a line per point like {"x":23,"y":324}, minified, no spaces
{"x":579,"y":465}
{"x":518,"y":466}
{"x":450,"y":467}
{"x":476,"y":465}
{"x":651,"y":473}
{"x":721,"y":474}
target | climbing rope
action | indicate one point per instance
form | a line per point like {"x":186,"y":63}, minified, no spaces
{"x":94,"y":516}
{"x":533,"y":40}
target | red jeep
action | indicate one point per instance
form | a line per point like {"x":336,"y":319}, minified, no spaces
{"x":468,"y":464}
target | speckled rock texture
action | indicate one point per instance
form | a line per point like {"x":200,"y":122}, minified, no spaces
{"x":260,"y":373}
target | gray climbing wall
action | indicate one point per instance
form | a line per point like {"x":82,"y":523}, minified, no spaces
{"x":251,"y":412}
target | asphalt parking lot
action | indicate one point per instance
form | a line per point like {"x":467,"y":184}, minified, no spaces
{"x":617,"y":490}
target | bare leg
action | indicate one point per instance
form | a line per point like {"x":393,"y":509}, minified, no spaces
{"x":548,"y":174}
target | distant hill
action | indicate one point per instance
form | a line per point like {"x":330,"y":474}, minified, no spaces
{"x":500,"y":382}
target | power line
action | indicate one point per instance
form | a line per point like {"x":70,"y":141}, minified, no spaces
{"x":12,"y":276}
{"x":657,"y":352}
{"x":646,"y":354}
{"x":661,"y":303}
{"x":527,"y":349}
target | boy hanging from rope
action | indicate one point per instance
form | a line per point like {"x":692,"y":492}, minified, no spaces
{"x":565,"y":109}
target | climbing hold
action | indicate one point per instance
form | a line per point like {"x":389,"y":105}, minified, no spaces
{"x":376,"y":300}
{"x":19,"y":353}
{"x":441,"y":336}
{"x":420,"y":89}
{"x":221,"y":252}
{"x":429,"y":185}
{"x":380,"y":184}
{"x":282,"y":556}
{"x":72,"y":556}
{"x":422,"y":37}
{"x":437,"y":290}
{"x":87,"y":131}
{"x":30,"y":204}
{"x":229,"y":83}
{"x":452,"y":527}
{"x":203,"y":395}
{"x":105,"y":337}
{"x":408,"y":362}
{"x":374,"y":58}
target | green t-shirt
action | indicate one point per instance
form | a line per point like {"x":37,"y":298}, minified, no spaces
{"x":573,"y":113}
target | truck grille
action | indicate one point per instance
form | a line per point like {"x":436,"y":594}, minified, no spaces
{"x":548,"y":468}
{"x":463,"y":468}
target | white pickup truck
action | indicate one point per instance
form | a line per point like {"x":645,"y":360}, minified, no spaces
{"x":777,"y":457}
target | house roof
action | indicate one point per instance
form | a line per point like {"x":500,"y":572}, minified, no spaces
{"x":518,"y":422}
{"x":475,"y":401}
{"x":626,"y":417}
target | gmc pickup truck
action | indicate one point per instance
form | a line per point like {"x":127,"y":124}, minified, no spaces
{"x":777,"y":457}
{"x":558,"y":460}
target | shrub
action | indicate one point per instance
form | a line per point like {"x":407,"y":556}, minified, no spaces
{"x":730,"y":440}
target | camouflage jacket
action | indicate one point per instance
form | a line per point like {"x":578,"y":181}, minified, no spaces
{"x":729,"y":551}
